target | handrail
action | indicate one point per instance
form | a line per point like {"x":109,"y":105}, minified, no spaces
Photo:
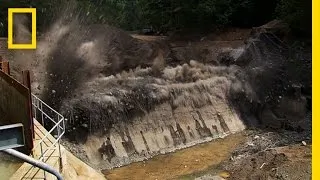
{"x":34,"y":162}
{"x":49,"y":148}
{"x":49,"y":133}
{"x":38,"y":99}
{"x":59,"y":124}
{"x":55,"y":127}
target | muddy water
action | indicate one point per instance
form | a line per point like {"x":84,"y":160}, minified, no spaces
{"x":182,"y":162}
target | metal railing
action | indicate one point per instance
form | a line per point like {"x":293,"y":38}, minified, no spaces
{"x":54,"y":123}
{"x":34,"y":162}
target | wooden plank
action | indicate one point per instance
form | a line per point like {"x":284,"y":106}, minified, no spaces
{"x":15,"y":107}
{"x":13,"y":82}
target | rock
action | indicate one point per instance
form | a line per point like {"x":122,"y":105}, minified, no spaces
{"x":304,"y":143}
{"x":209,"y":177}
{"x":224,"y":174}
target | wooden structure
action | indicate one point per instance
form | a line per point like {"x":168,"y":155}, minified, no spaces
{"x":15,"y":103}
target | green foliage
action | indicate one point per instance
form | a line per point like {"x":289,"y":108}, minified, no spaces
{"x":297,"y":13}
{"x":172,"y":14}
{"x":45,"y":11}
{"x":5,"y":4}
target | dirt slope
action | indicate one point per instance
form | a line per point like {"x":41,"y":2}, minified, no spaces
{"x":131,"y":99}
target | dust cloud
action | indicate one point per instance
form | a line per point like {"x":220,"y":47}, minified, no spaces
{"x":137,"y":98}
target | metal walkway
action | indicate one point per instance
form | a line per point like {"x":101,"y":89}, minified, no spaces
{"x":43,"y":126}
{"x":49,"y":127}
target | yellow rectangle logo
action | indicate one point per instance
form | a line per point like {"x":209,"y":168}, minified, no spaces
{"x":33,"y":44}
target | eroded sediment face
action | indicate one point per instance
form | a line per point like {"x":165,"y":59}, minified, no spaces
{"x":123,"y":103}
{"x":161,"y":131}
{"x":127,"y":100}
{"x":164,"y":130}
{"x":133,"y":116}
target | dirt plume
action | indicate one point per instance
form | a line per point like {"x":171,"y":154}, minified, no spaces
{"x":132,"y":99}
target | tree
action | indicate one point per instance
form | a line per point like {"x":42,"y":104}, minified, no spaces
{"x":171,"y":14}
{"x":298,"y":13}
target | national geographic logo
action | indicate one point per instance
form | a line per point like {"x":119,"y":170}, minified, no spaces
{"x":33,"y":13}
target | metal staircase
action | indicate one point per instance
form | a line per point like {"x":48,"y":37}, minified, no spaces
{"x":42,"y":131}
{"x":49,"y":127}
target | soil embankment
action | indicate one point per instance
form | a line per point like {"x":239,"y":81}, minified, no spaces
{"x":131,"y":98}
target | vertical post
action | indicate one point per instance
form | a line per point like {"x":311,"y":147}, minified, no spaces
{"x":43,"y":160}
{"x":59,"y":148}
{"x":5,"y":67}
{"x":27,"y":83}
{"x":0,"y":62}
{"x":42,"y":119}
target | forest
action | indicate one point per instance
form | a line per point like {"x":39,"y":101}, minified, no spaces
{"x":171,"y":15}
